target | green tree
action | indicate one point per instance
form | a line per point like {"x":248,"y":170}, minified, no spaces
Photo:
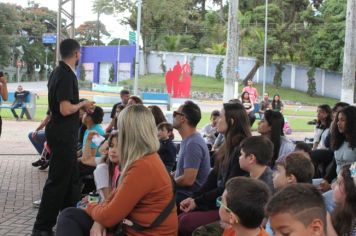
{"x":86,"y":33}
{"x":34,"y":22}
{"x":325,"y":36}
{"x":118,"y":41}
{"x":9,"y":22}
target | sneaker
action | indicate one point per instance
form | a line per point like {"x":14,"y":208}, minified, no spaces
{"x":37,"y":203}
{"x":37,"y":163}
{"x":36,"y":232}
{"x":44,"y":165}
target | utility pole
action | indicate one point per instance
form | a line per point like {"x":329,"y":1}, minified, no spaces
{"x":70,"y":16}
{"x":265,"y":49}
{"x":137,"y":57}
{"x":348,"y":90}
{"x":232,"y":52}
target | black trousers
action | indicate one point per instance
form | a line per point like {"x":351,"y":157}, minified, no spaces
{"x":321,"y":159}
{"x":62,"y":188}
{"x":74,"y":222}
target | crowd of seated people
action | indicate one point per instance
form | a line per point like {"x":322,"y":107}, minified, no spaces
{"x":254,"y":185}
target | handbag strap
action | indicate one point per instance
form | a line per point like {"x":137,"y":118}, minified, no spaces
{"x":162,"y":216}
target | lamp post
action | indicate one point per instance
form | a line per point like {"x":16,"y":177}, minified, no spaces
{"x":137,"y":59}
{"x":265,"y":50}
{"x":118,"y":63}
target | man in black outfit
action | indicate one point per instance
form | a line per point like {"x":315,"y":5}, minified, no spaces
{"x":61,"y":189}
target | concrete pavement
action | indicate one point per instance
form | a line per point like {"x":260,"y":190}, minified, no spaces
{"x":20,"y":183}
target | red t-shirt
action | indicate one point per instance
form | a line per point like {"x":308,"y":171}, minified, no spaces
{"x":231,"y":232}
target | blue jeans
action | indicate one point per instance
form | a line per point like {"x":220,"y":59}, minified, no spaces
{"x":38,"y":141}
{"x":17,"y":105}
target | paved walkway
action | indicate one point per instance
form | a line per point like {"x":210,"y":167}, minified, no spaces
{"x":20,"y":183}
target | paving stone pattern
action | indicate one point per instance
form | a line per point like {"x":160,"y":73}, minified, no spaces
{"x":21,"y":184}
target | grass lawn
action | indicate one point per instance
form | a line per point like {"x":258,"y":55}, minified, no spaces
{"x":209,"y":84}
{"x":296,"y":123}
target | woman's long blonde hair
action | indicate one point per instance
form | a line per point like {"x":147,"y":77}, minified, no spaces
{"x":137,"y":136}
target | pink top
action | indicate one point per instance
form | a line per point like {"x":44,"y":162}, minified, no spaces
{"x":115,"y":177}
{"x":252,"y":91}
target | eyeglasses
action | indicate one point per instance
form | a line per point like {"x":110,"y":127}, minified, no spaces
{"x":219,"y":203}
{"x":175,"y":113}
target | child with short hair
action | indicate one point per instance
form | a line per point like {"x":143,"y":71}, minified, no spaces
{"x":209,"y":131}
{"x":297,"y":209}
{"x":256,"y":154}
{"x":242,"y":206}
{"x":167,"y":150}
{"x":295,"y":168}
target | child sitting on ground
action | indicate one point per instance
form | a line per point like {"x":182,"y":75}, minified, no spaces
{"x":256,"y":154}
{"x":167,"y":150}
{"x":297,"y":209}
{"x":242,"y":207}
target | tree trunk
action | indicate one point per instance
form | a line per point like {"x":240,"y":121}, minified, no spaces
{"x":232,"y":51}
{"x":252,"y":72}
{"x":349,"y":67}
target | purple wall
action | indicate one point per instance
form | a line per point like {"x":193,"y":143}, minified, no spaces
{"x":97,"y":54}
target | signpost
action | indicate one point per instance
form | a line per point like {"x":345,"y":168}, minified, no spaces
{"x":49,"y":38}
{"x":132,"y":37}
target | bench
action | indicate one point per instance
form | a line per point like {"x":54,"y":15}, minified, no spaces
{"x":30,"y":104}
{"x":157,"y":99}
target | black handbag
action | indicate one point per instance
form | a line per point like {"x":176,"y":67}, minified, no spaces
{"x":118,"y":230}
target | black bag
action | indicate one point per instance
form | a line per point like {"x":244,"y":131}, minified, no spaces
{"x":118,"y":230}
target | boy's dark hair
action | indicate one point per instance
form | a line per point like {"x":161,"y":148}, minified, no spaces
{"x":260,"y":146}
{"x":303,"y":146}
{"x":215,"y":113}
{"x":68,"y":47}
{"x":247,"y":197}
{"x":168,"y":127}
{"x":124,"y":92}
{"x":235,"y":100}
{"x":192,"y":113}
{"x":303,"y":201}
{"x":97,"y":115}
{"x":299,"y":165}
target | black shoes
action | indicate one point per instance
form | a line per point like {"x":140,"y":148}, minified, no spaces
{"x":38,"y":163}
{"x":43,"y":164}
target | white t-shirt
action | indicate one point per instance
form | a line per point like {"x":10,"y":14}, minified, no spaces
{"x":209,"y":131}
{"x":320,"y":136}
{"x":101,"y":177}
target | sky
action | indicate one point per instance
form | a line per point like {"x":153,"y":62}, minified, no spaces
{"x":83,"y":13}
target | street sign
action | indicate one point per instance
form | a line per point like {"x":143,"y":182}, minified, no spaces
{"x":49,"y":38}
{"x":132,"y":37}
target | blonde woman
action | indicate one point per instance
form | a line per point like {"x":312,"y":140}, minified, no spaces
{"x":144,"y":189}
